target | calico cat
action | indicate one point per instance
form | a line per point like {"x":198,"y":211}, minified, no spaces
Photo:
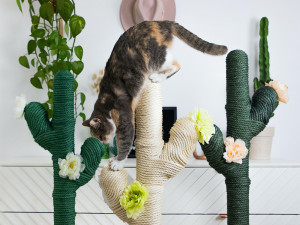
{"x":140,"y":54}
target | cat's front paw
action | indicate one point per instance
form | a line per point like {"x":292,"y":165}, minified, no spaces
{"x":116,"y":164}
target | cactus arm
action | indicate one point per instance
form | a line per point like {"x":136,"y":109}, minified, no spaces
{"x":214,"y":151}
{"x":182,"y":137}
{"x":264,"y":102}
{"x":113,"y":184}
{"x":91,"y":151}
{"x":39,"y":125}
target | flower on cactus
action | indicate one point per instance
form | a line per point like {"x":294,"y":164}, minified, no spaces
{"x":71,"y":166}
{"x":20,"y":106}
{"x":133,"y":199}
{"x":235,"y":150}
{"x":281,"y":90}
{"x":204,"y":125}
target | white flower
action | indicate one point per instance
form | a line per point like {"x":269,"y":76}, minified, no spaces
{"x":20,"y":106}
{"x":71,"y":166}
{"x":235,"y":150}
{"x":281,"y":90}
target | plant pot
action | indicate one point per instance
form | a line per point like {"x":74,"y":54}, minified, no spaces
{"x":261,"y":145}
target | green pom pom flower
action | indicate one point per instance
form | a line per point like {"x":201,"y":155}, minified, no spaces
{"x":204,"y":125}
{"x":133,"y":199}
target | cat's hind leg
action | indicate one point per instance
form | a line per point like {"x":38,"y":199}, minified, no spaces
{"x":168,"y":69}
{"x":171,"y":70}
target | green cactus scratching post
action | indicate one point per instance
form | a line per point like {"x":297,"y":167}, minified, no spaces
{"x":57,"y":136}
{"x":244,"y":121}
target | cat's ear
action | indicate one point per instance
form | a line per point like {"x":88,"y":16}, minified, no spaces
{"x":95,"y":122}
{"x":86,"y":123}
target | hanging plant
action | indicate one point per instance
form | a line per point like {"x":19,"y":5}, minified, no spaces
{"x":48,"y":51}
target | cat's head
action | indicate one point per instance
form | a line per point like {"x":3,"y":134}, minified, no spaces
{"x":101,"y":127}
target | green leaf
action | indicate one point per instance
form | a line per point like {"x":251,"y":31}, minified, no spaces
{"x":48,"y":69}
{"x":62,"y":54}
{"x":57,"y":40}
{"x":47,"y":11}
{"x":31,"y":46}
{"x":43,"y":55}
{"x":77,"y":23}
{"x":19,"y":5}
{"x":75,"y":85}
{"x":78,"y":52}
{"x":36,"y":82}
{"x":82,"y":115}
{"x":50,"y":95}
{"x":44,"y":60}
{"x":82,"y":98}
{"x":33,"y":62}
{"x":53,"y":35}
{"x":46,"y":106}
{"x":65,"y":65}
{"x":42,"y":1}
{"x":35,"y":20}
{"x":40,"y":74}
{"x":65,"y":9}
{"x":38,"y":33}
{"x":24,"y":61}
{"x":41,"y":43}
{"x":54,"y":52}
{"x":77,"y":67}
{"x":50,"y":84}
{"x":55,"y":67}
{"x":67,"y":29}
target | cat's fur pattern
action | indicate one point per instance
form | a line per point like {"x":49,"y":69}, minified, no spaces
{"x":140,"y":54}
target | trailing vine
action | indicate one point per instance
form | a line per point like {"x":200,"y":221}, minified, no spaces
{"x":48,"y":51}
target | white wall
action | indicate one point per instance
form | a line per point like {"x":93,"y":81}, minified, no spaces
{"x":200,"y":82}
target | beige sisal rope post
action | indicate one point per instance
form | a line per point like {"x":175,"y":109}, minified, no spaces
{"x":156,"y":162}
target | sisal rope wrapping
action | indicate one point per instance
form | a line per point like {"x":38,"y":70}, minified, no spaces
{"x":245,"y":120}
{"x":156,"y":162}
{"x":57,"y":136}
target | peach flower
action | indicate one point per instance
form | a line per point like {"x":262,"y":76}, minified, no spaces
{"x":235,"y":150}
{"x":281,"y":90}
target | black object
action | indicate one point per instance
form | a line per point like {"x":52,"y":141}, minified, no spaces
{"x":169,"y":118}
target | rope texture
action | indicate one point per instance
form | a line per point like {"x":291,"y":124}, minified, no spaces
{"x":57,"y":136}
{"x":245,"y":119}
{"x":156,"y":162}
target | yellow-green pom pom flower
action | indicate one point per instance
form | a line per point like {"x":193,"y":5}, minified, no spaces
{"x":133,"y":199}
{"x":204,"y":125}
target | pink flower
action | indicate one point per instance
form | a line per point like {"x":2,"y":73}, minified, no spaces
{"x":281,"y":90}
{"x":235,"y":150}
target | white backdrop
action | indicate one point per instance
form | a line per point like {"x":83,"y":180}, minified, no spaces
{"x":200,"y":82}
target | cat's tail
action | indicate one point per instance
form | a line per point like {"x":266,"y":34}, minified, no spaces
{"x":197,"y":43}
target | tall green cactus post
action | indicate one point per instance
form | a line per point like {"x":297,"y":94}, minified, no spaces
{"x":244,"y":121}
{"x":57,"y":136}
{"x":264,"y":57}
